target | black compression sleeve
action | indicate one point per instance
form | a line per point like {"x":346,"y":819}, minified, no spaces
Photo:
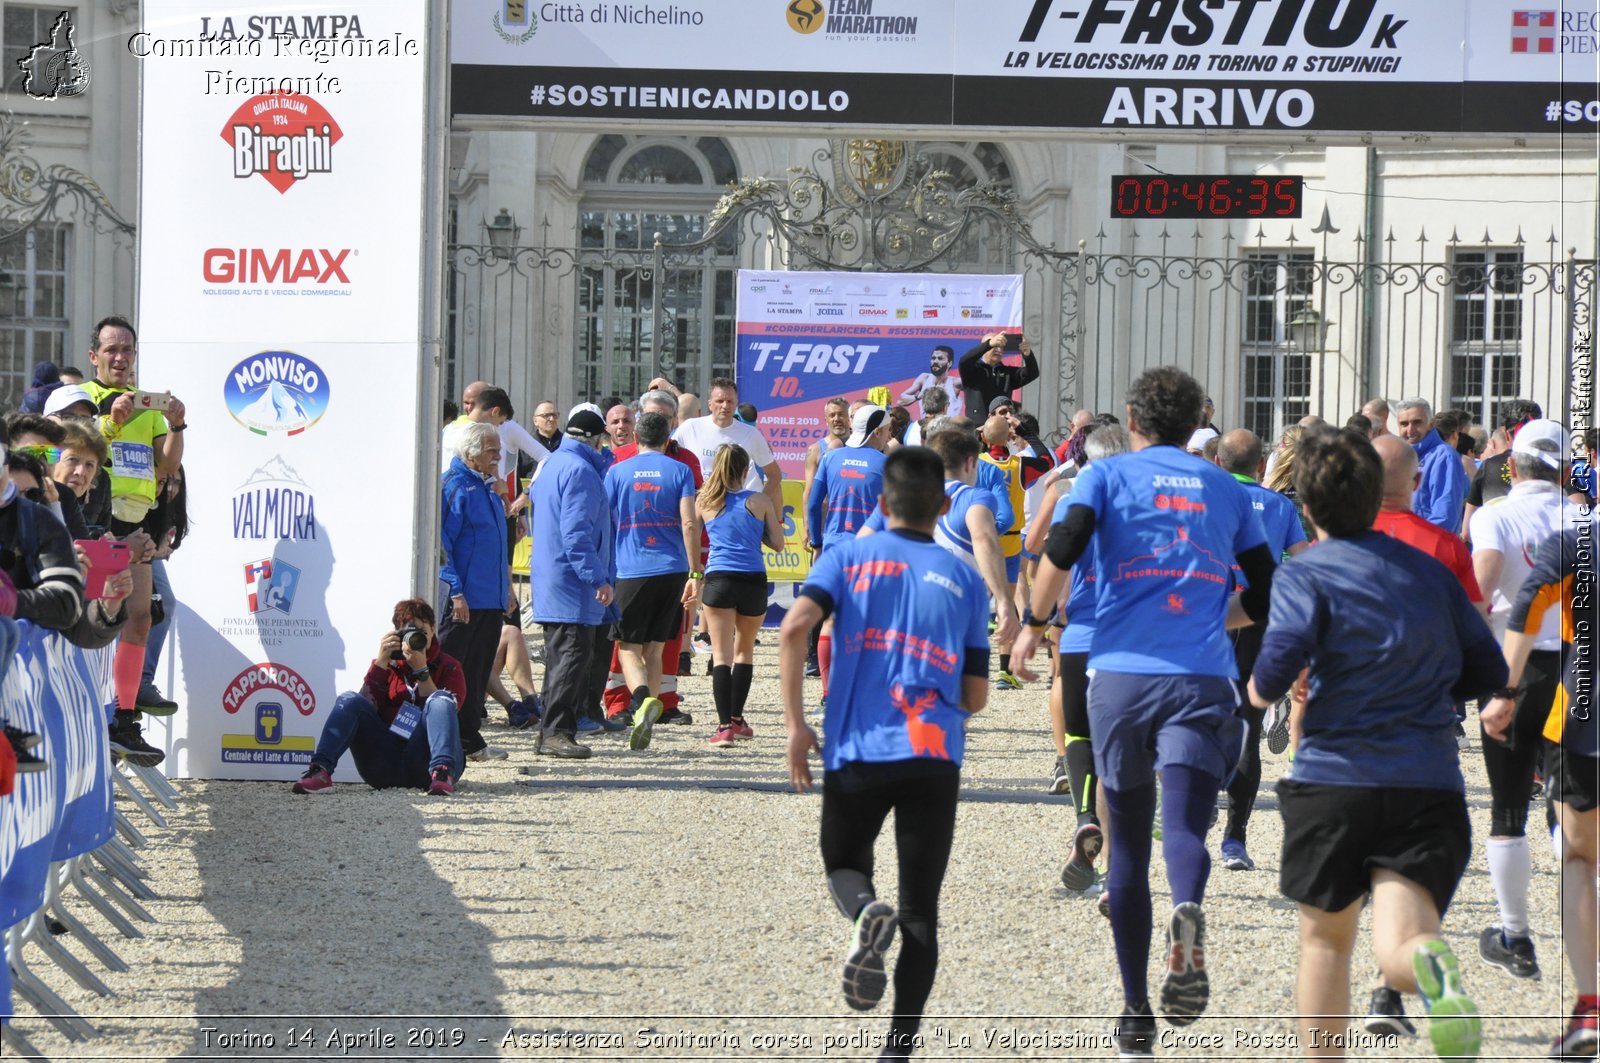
{"x":1258,"y":565}
{"x":1070,"y":538}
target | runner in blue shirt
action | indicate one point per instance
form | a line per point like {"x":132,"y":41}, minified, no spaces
{"x":844,"y":495}
{"x":913,"y":665}
{"x":652,"y":501}
{"x":1167,"y":528}
{"x":1374,"y":804}
{"x":1241,"y":454}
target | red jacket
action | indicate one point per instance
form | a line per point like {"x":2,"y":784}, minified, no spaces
{"x":385,"y":685}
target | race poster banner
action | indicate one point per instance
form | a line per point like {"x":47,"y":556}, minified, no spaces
{"x":1352,"y":67}
{"x":804,"y":338}
{"x":281,"y":197}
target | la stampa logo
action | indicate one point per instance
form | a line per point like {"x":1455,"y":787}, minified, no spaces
{"x":284,"y":137}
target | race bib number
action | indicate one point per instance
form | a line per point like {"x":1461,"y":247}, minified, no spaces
{"x":406,"y":720}
{"x":136,"y":461}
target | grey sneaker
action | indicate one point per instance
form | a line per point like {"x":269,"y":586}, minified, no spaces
{"x":864,"y":977}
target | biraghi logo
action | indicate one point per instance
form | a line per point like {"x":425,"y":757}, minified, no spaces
{"x":276,"y":391}
{"x":283,"y":136}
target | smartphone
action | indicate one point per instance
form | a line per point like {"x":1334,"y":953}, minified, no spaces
{"x":160,"y":401}
{"x":107,"y":557}
{"x":1013,"y":341}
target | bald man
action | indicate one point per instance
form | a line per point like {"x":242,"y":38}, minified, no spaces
{"x":619,"y":425}
{"x":1377,"y":411}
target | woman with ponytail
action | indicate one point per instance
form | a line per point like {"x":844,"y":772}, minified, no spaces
{"x":738,"y":522}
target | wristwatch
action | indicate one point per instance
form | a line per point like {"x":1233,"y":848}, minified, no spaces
{"x":1509,"y":693}
{"x":417,"y":676}
{"x":697,"y":575}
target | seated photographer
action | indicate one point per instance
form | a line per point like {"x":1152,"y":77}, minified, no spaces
{"x":401,"y":726}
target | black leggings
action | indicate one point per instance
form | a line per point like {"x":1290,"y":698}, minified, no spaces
{"x":855,"y":801}
{"x":1510,"y":765}
{"x":1074,"y":679}
{"x":1247,"y":777}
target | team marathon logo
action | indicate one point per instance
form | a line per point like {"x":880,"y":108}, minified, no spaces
{"x":848,"y":19}
{"x":276,"y":391}
{"x":283,"y":136}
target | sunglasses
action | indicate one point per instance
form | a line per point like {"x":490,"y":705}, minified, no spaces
{"x":48,"y":455}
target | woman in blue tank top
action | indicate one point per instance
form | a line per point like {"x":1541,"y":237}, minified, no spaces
{"x":737,"y":522}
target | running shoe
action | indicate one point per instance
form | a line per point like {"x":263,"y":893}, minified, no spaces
{"x":1278,"y":727}
{"x":1386,"y":1014}
{"x":440,"y":785}
{"x":1453,"y":1023}
{"x":1235,"y":857}
{"x":483,"y":753}
{"x":127,"y":742}
{"x":724,"y":736}
{"x":742,"y":730}
{"x":675,"y":716}
{"x":1060,"y":781}
{"x":1186,"y":990}
{"x":1581,"y":1039}
{"x":1103,"y":905}
{"x":864,"y":977}
{"x":1136,"y":1033}
{"x":613,"y":724}
{"x":1512,"y":953}
{"x":1462,"y":741}
{"x":1007,"y":681}
{"x":813,"y":668}
{"x":152,"y":702}
{"x":644,"y":720}
{"x":702,"y":643}
{"x":314,"y":781}
{"x":1078,"y":874}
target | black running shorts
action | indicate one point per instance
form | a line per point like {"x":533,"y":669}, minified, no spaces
{"x":745,"y":592}
{"x":651,"y":608}
{"x":1335,"y":837}
{"x":1571,"y":778}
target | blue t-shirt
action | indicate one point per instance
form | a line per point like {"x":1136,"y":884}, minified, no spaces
{"x":735,"y":536}
{"x":844,"y":493}
{"x":951,"y":531}
{"x":1280,"y":520}
{"x":1386,"y":626}
{"x":1078,"y":635}
{"x":644,"y":492}
{"x":906,"y":617}
{"x":992,"y":480}
{"x":1168,"y":526}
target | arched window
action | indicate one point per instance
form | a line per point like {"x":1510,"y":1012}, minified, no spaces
{"x":633,"y":188}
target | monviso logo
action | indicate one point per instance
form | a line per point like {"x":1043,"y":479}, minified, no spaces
{"x":514,"y":15}
{"x":54,"y":68}
{"x":276,"y":391}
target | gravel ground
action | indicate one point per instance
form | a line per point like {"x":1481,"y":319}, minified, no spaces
{"x":671,"y":904}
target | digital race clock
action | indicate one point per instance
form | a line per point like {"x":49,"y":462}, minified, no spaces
{"x":1205,"y":195}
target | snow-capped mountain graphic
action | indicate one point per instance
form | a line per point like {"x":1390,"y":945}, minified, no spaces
{"x":276,"y":408}
{"x":276,"y":471}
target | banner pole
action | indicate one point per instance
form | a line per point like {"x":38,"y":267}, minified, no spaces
{"x":435,"y":277}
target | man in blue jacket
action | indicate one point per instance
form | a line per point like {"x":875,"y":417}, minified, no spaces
{"x":472,"y":529}
{"x":1442,"y":491}
{"x":572,"y":583}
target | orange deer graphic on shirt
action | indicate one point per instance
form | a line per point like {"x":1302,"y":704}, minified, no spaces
{"x":927,"y":739}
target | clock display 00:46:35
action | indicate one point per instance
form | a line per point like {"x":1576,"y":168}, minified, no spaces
{"x":1205,"y":196}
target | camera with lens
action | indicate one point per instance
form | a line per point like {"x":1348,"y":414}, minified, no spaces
{"x":413,"y":640}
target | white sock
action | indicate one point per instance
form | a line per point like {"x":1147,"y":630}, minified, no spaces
{"x":1511,"y":869}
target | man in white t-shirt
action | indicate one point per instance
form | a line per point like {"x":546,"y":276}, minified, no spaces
{"x":703,"y":435}
{"x":937,"y":377}
{"x":1505,"y":539}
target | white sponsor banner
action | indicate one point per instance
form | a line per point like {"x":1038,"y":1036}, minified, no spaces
{"x":281,"y":167}
{"x":1315,"y":65}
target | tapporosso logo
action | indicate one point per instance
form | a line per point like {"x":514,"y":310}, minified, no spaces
{"x":276,"y":391}
{"x":264,"y":677}
{"x":283,"y":136}
{"x":277,"y":687}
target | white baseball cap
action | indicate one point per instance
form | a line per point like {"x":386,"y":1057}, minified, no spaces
{"x":1543,"y":439}
{"x":867,"y":420}
{"x":64,"y":396}
{"x":1197,"y":442}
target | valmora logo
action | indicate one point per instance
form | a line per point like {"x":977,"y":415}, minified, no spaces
{"x":276,"y":391}
{"x":257,"y":265}
{"x":283,"y":136}
{"x":275,"y":504}
{"x":260,"y":678}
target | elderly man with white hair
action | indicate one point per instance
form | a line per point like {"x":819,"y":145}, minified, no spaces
{"x":473,"y":533}
{"x":1442,"y":492}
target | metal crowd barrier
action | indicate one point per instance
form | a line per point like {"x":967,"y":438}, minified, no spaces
{"x":62,"y":838}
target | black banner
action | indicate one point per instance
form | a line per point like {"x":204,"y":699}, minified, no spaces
{"x":888,"y":101}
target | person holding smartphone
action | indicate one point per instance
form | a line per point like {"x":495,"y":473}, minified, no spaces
{"x":146,"y":447}
{"x":985,"y":375}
